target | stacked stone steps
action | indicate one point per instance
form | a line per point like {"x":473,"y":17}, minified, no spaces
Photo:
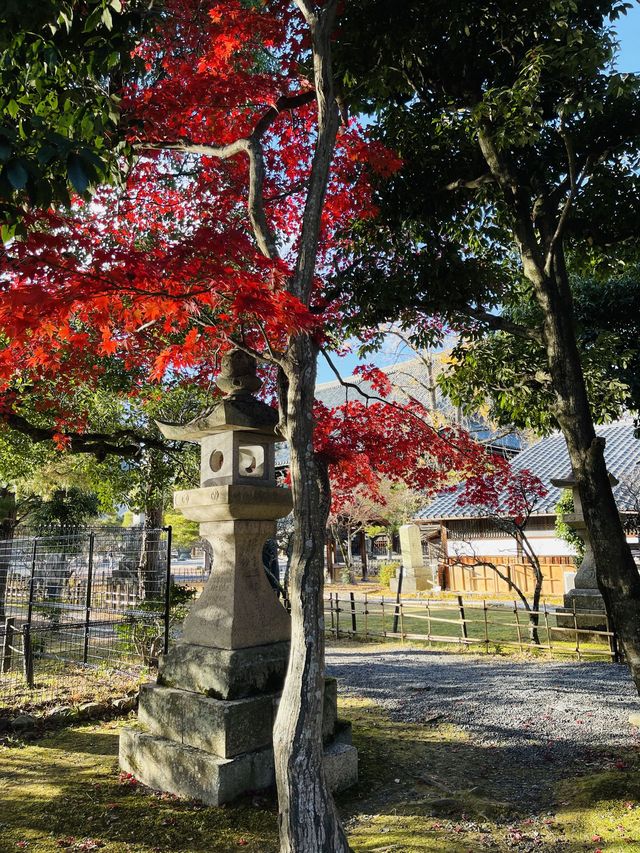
{"x":212,"y":749}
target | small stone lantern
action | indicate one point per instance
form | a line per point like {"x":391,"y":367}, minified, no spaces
{"x":585,"y":596}
{"x":207,"y":723}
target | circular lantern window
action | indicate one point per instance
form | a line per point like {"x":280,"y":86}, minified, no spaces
{"x":216,"y":461}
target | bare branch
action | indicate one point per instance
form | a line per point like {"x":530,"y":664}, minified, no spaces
{"x":575,"y":183}
{"x":497,"y":323}
{"x":222,"y":152}
{"x":374,"y":398}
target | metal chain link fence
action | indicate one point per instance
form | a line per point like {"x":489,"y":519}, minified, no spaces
{"x":76,"y":605}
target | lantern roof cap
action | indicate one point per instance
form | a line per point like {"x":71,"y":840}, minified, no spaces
{"x":238,"y":413}
{"x":237,"y":410}
{"x":569,"y":481}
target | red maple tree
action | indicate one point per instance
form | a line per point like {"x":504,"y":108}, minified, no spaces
{"x":222,"y":235}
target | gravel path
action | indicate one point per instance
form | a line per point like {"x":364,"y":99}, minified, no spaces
{"x":559,"y":712}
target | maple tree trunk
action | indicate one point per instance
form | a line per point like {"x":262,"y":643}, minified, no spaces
{"x":617,"y":574}
{"x":534,"y":617}
{"x":363,"y":554}
{"x":309,"y":822}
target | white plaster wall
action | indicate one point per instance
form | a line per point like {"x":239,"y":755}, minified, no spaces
{"x":544,"y":543}
{"x":544,"y":546}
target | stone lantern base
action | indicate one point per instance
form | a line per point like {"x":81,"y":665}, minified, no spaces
{"x":205,"y":729}
{"x":585,"y":605}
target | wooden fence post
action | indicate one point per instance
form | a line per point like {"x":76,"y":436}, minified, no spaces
{"x":396,"y":612}
{"x":517,"y":615}
{"x":575,"y":628}
{"x":9,"y":630}
{"x":366,"y":616}
{"x":354,"y":626}
{"x":463,"y":623}
{"x":486,"y":626}
{"x":613,"y":641}
{"x":546,"y":623}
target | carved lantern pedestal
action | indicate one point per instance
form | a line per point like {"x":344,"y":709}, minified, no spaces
{"x":205,"y":728}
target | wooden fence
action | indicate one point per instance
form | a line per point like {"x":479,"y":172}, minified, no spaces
{"x":484,"y":626}
{"x":460,"y":574}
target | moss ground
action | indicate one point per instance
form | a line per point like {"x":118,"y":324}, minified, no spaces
{"x":422,"y":788}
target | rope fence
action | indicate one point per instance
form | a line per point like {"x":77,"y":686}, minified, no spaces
{"x":482,"y":626}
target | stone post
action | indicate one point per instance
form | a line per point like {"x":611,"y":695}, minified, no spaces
{"x":585,"y":597}
{"x":205,"y":727}
{"x":416,"y":576}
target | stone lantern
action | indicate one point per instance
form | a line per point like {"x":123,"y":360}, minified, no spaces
{"x":207,"y":723}
{"x":585,"y":598}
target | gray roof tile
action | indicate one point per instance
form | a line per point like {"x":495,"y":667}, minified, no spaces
{"x":548,"y":459}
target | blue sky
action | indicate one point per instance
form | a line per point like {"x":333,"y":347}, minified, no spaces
{"x":628,"y":60}
{"x":629,"y":36}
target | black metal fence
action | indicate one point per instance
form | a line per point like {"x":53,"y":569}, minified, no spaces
{"x":73,"y":605}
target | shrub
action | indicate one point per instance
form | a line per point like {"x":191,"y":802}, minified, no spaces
{"x":563,"y":531}
{"x":386,"y":572}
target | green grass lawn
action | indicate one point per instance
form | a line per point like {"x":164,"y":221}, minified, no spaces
{"x":422,"y":789}
{"x":494,"y":629}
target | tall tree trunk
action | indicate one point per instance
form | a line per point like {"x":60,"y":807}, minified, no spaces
{"x":617,"y":574}
{"x":309,"y":822}
{"x":151,"y":566}
{"x":543,"y":263}
{"x":363,"y":554}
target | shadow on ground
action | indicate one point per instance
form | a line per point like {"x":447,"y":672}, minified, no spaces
{"x":423,"y":788}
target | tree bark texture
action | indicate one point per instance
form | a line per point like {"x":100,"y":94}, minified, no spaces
{"x":542,"y":253}
{"x":309,"y":822}
{"x":151,"y":567}
{"x":616,"y":571}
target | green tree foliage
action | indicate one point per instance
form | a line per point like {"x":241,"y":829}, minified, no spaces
{"x":565,"y":507}
{"x":520,"y":144}
{"x":184,"y":533}
{"x":511,"y":372}
{"x":65,"y":509}
{"x":118,"y":453}
{"x":541,"y":75}
{"x":62,"y":65}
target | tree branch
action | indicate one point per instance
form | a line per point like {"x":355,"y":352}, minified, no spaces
{"x":125,"y":443}
{"x":374,"y":398}
{"x":498,"y":323}
{"x":321,"y":27}
{"x":476,"y":183}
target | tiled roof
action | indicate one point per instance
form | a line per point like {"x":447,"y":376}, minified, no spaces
{"x":548,"y":459}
